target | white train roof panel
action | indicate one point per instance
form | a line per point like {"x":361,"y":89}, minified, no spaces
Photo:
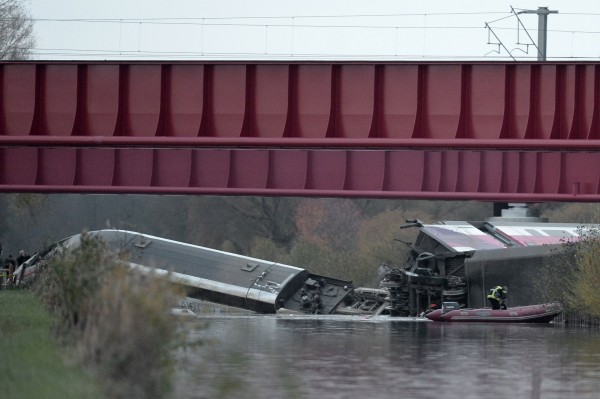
{"x":462,"y":237}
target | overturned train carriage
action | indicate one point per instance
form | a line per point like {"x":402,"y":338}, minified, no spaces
{"x":224,"y":278}
{"x":461,"y":261}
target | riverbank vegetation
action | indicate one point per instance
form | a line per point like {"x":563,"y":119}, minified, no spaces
{"x":113,"y":321}
{"x":32,"y":364}
{"x":572,"y":277}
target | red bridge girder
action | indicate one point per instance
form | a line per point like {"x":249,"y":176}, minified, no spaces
{"x":320,"y":104}
{"x":529,"y":176}
{"x":490,"y":131}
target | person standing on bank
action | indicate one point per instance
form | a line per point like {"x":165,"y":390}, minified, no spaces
{"x":11,"y":265}
{"x":497,"y":297}
{"x":23,"y":256}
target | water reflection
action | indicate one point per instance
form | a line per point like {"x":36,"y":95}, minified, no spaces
{"x":338,"y":357}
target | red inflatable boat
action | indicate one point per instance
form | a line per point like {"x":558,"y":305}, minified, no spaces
{"x":542,"y":313}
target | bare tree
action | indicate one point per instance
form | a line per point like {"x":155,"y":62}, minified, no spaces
{"x":16,"y":31}
{"x":268,"y":217}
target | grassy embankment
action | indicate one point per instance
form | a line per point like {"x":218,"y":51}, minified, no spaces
{"x":32,"y":364}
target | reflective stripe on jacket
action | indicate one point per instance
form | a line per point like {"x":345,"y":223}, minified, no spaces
{"x":495,"y":293}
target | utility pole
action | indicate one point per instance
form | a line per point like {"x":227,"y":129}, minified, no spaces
{"x":542,"y":13}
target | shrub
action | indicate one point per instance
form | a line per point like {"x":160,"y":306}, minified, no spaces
{"x":117,"y":319}
{"x":584,"y":295}
{"x":572,"y":275}
{"x":129,"y":332}
{"x":69,"y":280}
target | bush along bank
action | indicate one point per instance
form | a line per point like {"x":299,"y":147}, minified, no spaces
{"x":572,"y":277}
{"x":116,"y":321}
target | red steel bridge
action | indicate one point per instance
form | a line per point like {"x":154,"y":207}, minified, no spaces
{"x":444,"y":130}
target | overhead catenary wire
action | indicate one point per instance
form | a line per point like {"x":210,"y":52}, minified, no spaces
{"x":176,"y":20}
{"x":432,"y":27}
{"x":297,"y":25}
{"x":269,"y":24}
{"x":205,"y":18}
{"x":123,"y":53}
{"x":318,"y":56}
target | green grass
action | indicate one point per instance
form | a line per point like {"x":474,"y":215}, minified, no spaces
{"x":31,"y":363}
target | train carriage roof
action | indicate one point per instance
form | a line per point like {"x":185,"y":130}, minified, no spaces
{"x":462,"y":236}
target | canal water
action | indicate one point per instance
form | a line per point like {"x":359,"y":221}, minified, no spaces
{"x":354,"y":357}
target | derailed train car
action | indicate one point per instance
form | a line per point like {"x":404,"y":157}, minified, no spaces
{"x":454,"y":261}
{"x":216,"y":276}
{"x":459,"y":261}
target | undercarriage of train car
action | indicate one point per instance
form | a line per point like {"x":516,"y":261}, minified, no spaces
{"x":431,"y":275}
{"x":431,"y":279}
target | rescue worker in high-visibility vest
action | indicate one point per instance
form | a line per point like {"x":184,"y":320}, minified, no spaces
{"x":497,"y":297}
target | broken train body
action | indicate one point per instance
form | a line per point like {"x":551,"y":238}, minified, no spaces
{"x":449,"y":262}
{"x":219,"y":277}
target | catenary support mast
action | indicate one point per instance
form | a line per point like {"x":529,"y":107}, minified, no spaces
{"x":542,"y":13}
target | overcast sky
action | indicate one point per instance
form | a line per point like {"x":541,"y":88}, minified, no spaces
{"x":311,"y":29}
